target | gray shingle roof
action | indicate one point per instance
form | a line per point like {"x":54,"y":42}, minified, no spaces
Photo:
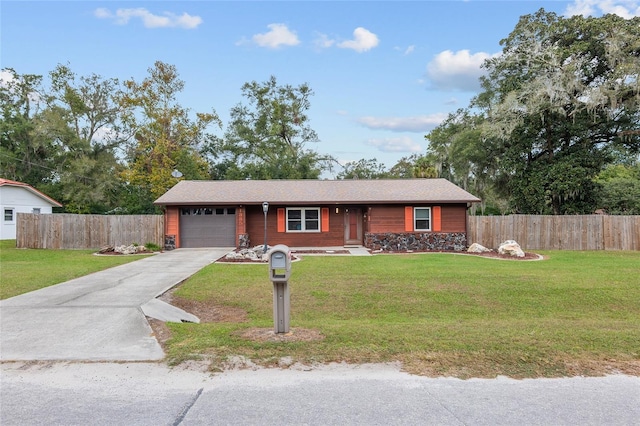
{"x":304,"y":192}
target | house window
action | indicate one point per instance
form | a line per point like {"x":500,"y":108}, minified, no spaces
{"x":422,"y":218}
{"x":303,"y":220}
{"x":8,"y":215}
{"x":36,"y":210}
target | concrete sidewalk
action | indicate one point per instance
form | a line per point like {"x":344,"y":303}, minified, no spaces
{"x":98,"y":317}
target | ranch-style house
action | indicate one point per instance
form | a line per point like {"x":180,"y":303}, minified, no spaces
{"x":387,"y":215}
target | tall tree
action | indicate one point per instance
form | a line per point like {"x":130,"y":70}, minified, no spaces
{"x":363,"y":169}
{"x":267,"y":139}
{"x":165,"y":137}
{"x":23,"y":156}
{"x":464,"y":155}
{"x":81,"y":119}
{"x":413,"y":166}
{"x":619,"y":189}
{"x":560,"y":98}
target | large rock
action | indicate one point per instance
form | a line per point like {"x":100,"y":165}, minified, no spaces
{"x":255,"y":254}
{"x":477,"y":248}
{"x":511,"y":248}
{"x":130,"y":249}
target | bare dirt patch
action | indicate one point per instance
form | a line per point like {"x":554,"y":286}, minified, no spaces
{"x":211,"y":313}
{"x":268,"y":335}
{"x":205,"y":311}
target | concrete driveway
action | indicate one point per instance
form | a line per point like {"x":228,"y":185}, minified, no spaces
{"x":101,"y":316}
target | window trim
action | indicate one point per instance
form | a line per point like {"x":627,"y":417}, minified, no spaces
{"x":13,"y":214}
{"x":303,"y":220}
{"x":415,"y":219}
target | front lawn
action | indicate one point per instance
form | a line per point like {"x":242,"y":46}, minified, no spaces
{"x":575,"y":313}
{"x":25,"y":270}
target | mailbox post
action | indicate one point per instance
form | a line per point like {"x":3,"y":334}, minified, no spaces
{"x":279,"y":272}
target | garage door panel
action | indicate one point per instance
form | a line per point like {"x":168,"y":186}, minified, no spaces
{"x":207,"y":227}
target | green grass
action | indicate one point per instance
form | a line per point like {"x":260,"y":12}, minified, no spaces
{"x":439,"y":314}
{"x":25,"y":270}
{"x":576,"y":313}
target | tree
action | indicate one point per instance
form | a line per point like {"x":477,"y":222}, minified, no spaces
{"x":463,"y":155}
{"x":23,"y":156}
{"x":363,"y":169}
{"x":81,"y":120}
{"x":164,"y":137}
{"x":619,"y":189}
{"x":413,"y":166}
{"x":267,"y":138}
{"x":560,"y":99}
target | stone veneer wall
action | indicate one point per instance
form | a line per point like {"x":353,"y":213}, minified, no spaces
{"x":243,"y":241}
{"x":169,"y":242}
{"x":431,"y":241}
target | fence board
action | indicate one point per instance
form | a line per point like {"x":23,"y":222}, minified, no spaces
{"x":70,"y":231}
{"x":545,"y":232}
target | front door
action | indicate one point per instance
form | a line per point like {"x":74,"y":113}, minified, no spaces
{"x":353,"y":226}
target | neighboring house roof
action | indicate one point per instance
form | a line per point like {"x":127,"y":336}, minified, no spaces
{"x":7,"y":182}
{"x":235,"y":192}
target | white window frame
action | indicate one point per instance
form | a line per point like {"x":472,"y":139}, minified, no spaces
{"x":13,"y":215}
{"x":415,"y":219}
{"x":303,"y":219}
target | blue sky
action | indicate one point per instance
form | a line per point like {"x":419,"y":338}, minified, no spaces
{"x":384,"y":73}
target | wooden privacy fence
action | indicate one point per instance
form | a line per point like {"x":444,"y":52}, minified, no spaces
{"x":91,"y":231}
{"x":538,"y":232}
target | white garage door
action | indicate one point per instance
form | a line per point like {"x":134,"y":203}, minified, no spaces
{"x":207,"y":227}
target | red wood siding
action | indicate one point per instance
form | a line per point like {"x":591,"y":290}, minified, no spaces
{"x":454,"y":217}
{"x":387,"y":219}
{"x":380,"y":219}
{"x":393,"y":218}
{"x":255,"y":229}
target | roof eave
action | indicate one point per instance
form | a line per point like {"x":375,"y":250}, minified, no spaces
{"x":34,"y":191}
{"x":297,"y":202}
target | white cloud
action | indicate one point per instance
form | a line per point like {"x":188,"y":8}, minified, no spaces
{"x":626,"y":9}
{"x":149,"y":20}
{"x":406,"y":50}
{"x":9,"y":82}
{"x":456,"y":70}
{"x":278,"y":35}
{"x":5,"y":78}
{"x":421,"y":123}
{"x":323,"y":41}
{"x":363,"y":40}
{"x":402,"y":144}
